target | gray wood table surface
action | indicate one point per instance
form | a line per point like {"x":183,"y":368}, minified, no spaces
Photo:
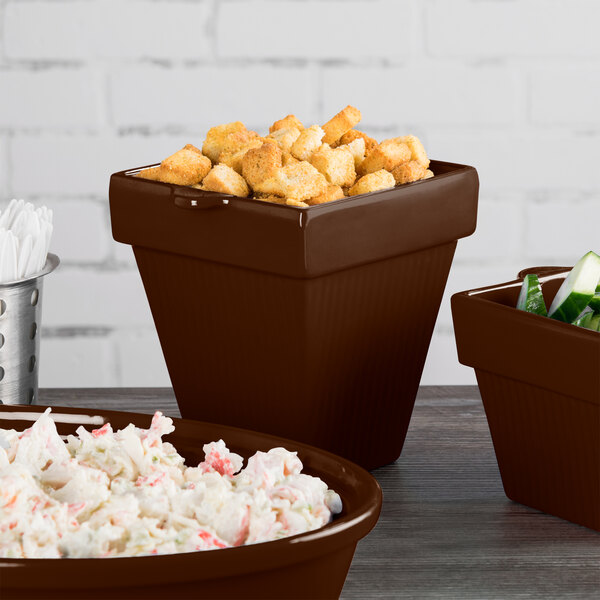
{"x":446,"y":528}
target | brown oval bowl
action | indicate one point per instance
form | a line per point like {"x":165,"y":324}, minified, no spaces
{"x":309,"y":565}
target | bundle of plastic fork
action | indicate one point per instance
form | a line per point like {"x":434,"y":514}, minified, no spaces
{"x":25,"y":234}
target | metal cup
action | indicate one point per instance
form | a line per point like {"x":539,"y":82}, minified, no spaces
{"x":20,"y":321}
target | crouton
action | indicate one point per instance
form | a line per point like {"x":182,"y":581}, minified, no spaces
{"x":216,"y":137}
{"x":152,"y":173}
{"x":297,"y":180}
{"x":386,"y":156}
{"x":357,"y":149}
{"x":261,"y":163}
{"x":294,"y":202}
{"x":236,"y":146}
{"x":417,"y":151}
{"x":285,"y":137}
{"x":409,"y":172}
{"x":354,"y":134}
{"x":237,"y":140}
{"x":379,"y":180}
{"x":337,"y":126}
{"x":333,"y":192}
{"x":287,"y":158}
{"x":307,"y":142}
{"x":287,"y":123}
{"x":337,"y":164}
{"x":186,"y":167}
{"x":225,"y":180}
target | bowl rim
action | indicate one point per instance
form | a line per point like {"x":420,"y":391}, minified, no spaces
{"x":52,"y":261}
{"x":220,"y":199}
{"x":538,"y":351}
{"x":546,"y":274}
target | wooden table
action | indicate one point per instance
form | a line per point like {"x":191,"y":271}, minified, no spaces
{"x":446,"y":529}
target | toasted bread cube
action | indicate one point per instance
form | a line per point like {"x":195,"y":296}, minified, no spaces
{"x":337,"y":126}
{"x":237,"y":140}
{"x":357,"y":149}
{"x":186,"y":167}
{"x":216,"y":138}
{"x":152,"y":173}
{"x":307,"y":142}
{"x":385,"y":156}
{"x":333,"y":192}
{"x":234,"y":156}
{"x":417,"y":151}
{"x":285,"y":137}
{"x":379,"y":180}
{"x":409,"y":172}
{"x":287,"y":123}
{"x":337,"y":164}
{"x":287,"y":159}
{"x":296,"y":180}
{"x":261,"y":163}
{"x":225,"y":180}
{"x":294,"y":202}
{"x":354,"y":134}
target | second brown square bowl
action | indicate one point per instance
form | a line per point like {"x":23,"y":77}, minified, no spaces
{"x":540,"y":384}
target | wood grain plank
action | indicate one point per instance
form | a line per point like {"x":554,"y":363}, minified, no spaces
{"x":446,"y":529}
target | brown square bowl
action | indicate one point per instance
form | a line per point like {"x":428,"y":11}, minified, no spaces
{"x":310,"y":323}
{"x":309,"y":565}
{"x":540,"y":384}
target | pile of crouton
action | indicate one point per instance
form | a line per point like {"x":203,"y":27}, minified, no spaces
{"x":295,"y":165}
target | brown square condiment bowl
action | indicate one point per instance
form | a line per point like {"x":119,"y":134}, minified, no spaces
{"x":540,"y":384}
{"x":308,"y":565}
{"x":310,"y":323}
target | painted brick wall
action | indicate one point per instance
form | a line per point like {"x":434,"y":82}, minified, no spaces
{"x":91,"y":87}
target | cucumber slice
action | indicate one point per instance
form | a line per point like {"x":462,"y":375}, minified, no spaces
{"x":577,"y":289}
{"x":583,"y":320}
{"x":594,"y":323}
{"x":531,"y":298}
{"x":595,"y":301}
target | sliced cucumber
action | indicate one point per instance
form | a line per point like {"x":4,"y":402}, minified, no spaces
{"x":531,"y":298}
{"x":594,"y":323}
{"x":577,"y":289}
{"x":583,"y":320}
{"x":595,"y":301}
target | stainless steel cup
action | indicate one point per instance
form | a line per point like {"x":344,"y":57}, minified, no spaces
{"x":20,"y":321}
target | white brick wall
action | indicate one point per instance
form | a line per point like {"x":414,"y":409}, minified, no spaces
{"x":314,"y":30}
{"x":74,"y":31}
{"x":76,"y":165}
{"x":50,"y":99}
{"x":472,"y":29}
{"x":455,"y":95}
{"x":89,"y":87}
{"x":184,"y":97}
{"x":578,"y":100}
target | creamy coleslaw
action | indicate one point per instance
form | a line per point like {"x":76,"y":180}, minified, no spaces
{"x":106,"y":493}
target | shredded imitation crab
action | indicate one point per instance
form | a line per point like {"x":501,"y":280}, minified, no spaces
{"x":126,"y":493}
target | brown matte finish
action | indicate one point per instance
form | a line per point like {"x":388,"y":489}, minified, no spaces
{"x":540,"y":385}
{"x":312,"y":324}
{"x":309,"y":565}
